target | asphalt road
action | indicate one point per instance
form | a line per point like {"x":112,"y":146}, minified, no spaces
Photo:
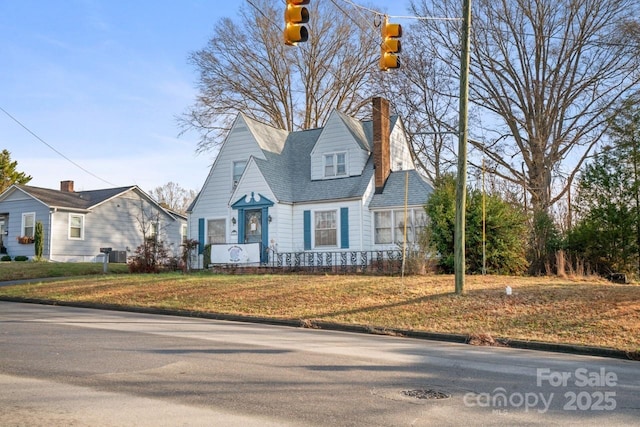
{"x":62,"y":366}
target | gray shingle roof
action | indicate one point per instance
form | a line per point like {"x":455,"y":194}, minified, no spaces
{"x":71,"y":200}
{"x":289,"y":172}
{"x":417,"y":192}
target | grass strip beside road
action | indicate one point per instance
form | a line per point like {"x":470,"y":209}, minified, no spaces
{"x":590,"y":312}
{"x":20,"y":270}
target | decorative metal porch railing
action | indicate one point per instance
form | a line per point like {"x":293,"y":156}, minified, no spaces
{"x":378,"y":262}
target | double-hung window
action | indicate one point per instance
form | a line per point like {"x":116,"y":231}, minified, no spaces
{"x":335,"y":164}
{"x":28,"y":224}
{"x":382,"y":225}
{"x":326,"y":230}
{"x":154,"y":230}
{"x":216,"y":231}
{"x":76,"y":226}
{"x":183,"y":233}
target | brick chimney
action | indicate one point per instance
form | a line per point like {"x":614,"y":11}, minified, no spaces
{"x":66,"y":186}
{"x":381,"y":144}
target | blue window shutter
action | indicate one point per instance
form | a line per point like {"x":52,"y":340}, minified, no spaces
{"x":200,"y":235}
{"x":307,"y":230}
{"x":344,"y":228}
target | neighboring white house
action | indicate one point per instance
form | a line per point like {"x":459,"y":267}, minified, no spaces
{"x":77,"y":224}
{"x":349,"y":186}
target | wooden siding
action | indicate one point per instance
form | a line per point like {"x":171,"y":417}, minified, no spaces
{"x":298,"y":225}
{"x":214,"y":198}
{"x":12,"y":209}
{"x":399,"y":150}
{"x":366,"y":217}
{"x":281,"y":229}
{"x":117,"y":224}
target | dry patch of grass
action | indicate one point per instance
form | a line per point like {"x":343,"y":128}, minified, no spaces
{"x":557,"y":310}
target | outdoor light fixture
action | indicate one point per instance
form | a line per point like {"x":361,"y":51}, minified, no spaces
{"x":233,"y":221}
{"x":270,"y":219}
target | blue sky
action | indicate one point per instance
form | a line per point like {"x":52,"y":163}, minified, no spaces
{"x":101,"y":81}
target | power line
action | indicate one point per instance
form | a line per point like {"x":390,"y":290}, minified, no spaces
{"x":53,"y":149}
{"x":376,"y":12}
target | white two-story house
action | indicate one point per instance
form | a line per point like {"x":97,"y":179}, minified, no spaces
{"x":347,"y":187}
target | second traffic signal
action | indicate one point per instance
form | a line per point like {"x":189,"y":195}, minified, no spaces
{"x":296,"y":14}
{"x":390,"y":46}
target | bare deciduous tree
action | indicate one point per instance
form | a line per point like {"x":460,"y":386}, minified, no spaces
{"x":423,"y":98}
{"x":173,"y":197}
{"x":544,"y":74}
{"x":246,"y":68}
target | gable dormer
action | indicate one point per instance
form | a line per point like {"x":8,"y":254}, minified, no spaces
{"x":246,"y":138}
{"x":341,"y":150}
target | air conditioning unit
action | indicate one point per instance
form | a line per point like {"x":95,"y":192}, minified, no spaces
{"x":118,"y":256}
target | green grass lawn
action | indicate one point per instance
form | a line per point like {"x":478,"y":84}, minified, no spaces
{"x":580,"y":311}
{"x":17,"y":270}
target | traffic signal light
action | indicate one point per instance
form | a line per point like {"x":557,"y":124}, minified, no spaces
{"x":296,"y":14}
{"x":390,"y":46}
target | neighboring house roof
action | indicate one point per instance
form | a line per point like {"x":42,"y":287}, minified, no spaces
{"x":78,"y":200}
{"x":71,"y":200}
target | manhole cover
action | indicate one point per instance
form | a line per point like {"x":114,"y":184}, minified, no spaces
{"x":426,"y":394}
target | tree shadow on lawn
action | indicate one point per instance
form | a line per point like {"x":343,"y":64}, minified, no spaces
{"x":404,"y":302}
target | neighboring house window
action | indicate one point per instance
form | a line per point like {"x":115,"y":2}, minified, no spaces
{"x":326,"y":231}
{"x":386,"y":233}
{"x":154,"y":230}
{"x":28,"y":224}
{"x":183,"y":233}
{"x":238,"y":169}
{"x":335,"y":164}
{"x":76,"y":226}
{"x":216,"y":231}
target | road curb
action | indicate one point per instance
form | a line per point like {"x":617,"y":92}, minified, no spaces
{"x":356,"y":328}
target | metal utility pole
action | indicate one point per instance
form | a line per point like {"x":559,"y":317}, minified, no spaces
{"x":461,"y":187}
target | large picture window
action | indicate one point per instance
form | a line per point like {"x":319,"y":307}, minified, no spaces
{"x":76,"y":226}
{"x":389,"y":226}
{"x":28,"y":224}
{"x":216,"y":231}
{"x":399,"y":226}
{"x":326,"y":232}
